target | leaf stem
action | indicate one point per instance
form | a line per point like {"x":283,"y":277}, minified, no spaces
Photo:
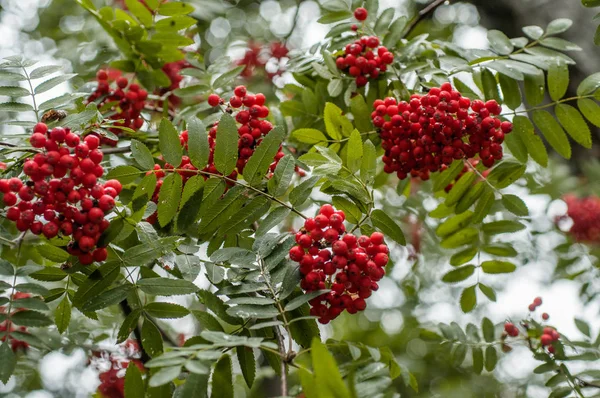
{"x":35,"y":109}
{"x":578,"y":97}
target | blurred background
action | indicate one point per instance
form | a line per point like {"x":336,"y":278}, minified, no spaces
{"x":411,"y":298}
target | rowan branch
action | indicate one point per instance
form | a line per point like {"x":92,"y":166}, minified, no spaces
{"x":424,"y":13}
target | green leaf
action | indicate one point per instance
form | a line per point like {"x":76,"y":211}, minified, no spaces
{"x":272,"y":220}
{"x":490,"y":86}
{"x":515,"y":205}
{"x":460,"y":238}
{"x":590,"y":110}
{"x":501,"y":250}
{"x":487,"y":291}
{"x":128,"y":325}
{"x":176,"y":8}
{"x":335,"y":86}
{"x":169,"y":197}
{"x":395,"y":34}
{"x":198,"y":149}
{"x":590,"y":3}
{"x":499,"y":42}
{"x":558,"y":80}
{"x":166,"y":310}
{"x":559,"y":25}
{"x":533,"y":32}
{"x":8,"y":362}
{"x":468,"y":299}
{"x":309,"y":136}
{"x":352,"y":212}
{"x":460,"y":188}
{"x":222,"y":379}
{"x":53,"y":82}
{"x":463,"y":256}
{"x":13,"y":91}
{"x":368,"y":165}
{"x":553,"y":132}
{"x":454,"y":224}
{"x":459,"y":274}
{"x":97,"y":282}
{"x":168,"y":142}
{"x":43,"y":71}
{"x":573,"y":122}
{"x":302,"y":191}
{"x":334,"y":121}
{"x":497,"y":267}
{"x":354,"y":151}
{"x":139,"y":10}
{"x":583,"y":326}
{"x":361,"y":113}
{"x":589,"y":85}
{"x":477,"y":359}
{"x":142,"y":155}
{"x":469,"y":198}
{"x":52,"y":253}
{"x":15,"y":107}
{"x":253,"y":311}
{"x":298,"y":301}
{"x":134,"y":385}
{"x":195,"y":386}
{"x":62,"y":315}
{"x":534,"y":144}
{"x":561,"y":392}
{"x":226,"y":147}
{"x":49,"y":274}
{"x":510,"y":91}
{"x":175,"y":23}
{"x":227,"y":77}
{"x":151,"y":339}
{"x":245,"y":356}
{"x":284,"y":172}
{"x":534,"y":88}
{"x":144,"y":253}
{"x":327,"y":375}
{"x":166,"y":287}
{"x":334,"y":17}
{"x":125,"y":174}
{"x":491,"y":358}
{"x":383,"y":22}
{"x":387,"y":225}
{"x":164,"y":376}
{"x":487,"y":328}
{"x":560,"y":44}
{"x":106,"y":299}
{"x":503,"y":226}
{"x":447,"y":176}
{"x":30,"y":318}
{"x":264,"y":154}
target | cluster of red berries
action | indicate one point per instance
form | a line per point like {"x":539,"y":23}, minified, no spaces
{"x":6,"y":327}
{"x":251,"y":114}
{"x":330,"y":258}
{"x":536,"y":303}
{"x":112,"y":381}
{"x":585,"y":214}
{"x":365,"y":59}
{"x":172,"y":70}
{"x":268,"y":59}
{"x":130,"y":99}
{"x":432,"y":130}
{"x":63,"y":194}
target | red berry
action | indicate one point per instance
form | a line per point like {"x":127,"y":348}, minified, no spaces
{"x":100,"y":254}
{"x":213,"y":100}
{"x":360,"y":14}
{"x":106,"y":203}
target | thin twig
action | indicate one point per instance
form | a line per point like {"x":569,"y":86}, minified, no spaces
{"x":296,"y":15}
{"x":424,"y":13}
{"x":121,"y":149}
{"x":284,"y":364}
